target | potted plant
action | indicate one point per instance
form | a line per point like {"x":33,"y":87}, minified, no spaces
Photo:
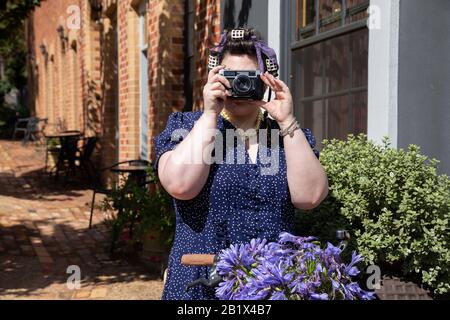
{"x":145,"y":217}
{"x":158,"y":223}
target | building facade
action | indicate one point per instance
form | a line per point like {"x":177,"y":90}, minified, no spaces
{"x":379,"y":67}
{"x":117,"y":68}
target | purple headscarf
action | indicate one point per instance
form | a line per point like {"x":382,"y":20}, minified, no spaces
{"x":261,"y":48}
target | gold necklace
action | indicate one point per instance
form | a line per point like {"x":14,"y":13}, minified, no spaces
{"x":248,"y":133}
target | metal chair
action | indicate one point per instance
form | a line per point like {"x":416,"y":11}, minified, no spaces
{"x":84,"y":158}
{"x":29,"y":127}
{"x":68,"y":153}
{"x":98,"y":187}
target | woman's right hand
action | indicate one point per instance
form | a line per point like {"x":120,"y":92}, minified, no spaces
{"x":215,"y":92}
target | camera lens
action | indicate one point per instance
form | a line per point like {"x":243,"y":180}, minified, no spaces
{"x":242,"y":84}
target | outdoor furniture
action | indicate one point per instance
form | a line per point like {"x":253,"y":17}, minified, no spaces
{"x":29,"y":127}
{"x":50,"y":149}
{"x":121,"y":167}
{"x":54,"y":126}
{"x":84,"y":158}
{"x":67,"y":151}
{"x":137,"y":172}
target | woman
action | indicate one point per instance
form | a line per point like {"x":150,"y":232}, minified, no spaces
{"x":227,"y":203}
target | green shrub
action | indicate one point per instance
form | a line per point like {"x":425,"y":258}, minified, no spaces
{"x":141,"y":210}
{"x":395,"y":205}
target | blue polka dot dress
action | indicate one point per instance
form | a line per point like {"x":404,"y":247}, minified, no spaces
{"x":237,"y":203}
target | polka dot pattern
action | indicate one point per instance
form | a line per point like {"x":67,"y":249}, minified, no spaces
{"x":237,"y":203}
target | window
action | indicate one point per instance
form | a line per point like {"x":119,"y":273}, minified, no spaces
{"x":330,"y":85}
{"x":318,"y":16}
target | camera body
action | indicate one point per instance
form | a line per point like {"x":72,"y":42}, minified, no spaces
{"x":244,"y":84}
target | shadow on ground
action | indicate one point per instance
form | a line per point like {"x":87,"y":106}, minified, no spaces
{"x":28,"y":273}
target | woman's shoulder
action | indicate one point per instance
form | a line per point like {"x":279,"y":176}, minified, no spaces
{"x":183,"y":119}
{"x":188,"y":115}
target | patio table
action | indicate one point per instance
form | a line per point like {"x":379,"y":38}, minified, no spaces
{"x":136,"y":173}
{"x":69,"y":147}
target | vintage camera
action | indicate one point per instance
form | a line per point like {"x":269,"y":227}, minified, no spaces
{"x":244,"y":84}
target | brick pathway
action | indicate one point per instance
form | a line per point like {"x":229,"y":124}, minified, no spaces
{"x":44,"y":230}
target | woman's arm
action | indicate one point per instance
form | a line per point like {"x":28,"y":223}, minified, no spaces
{"x":180,"y":171}
{"x":307,"y":180}
{"x":183,"y":171}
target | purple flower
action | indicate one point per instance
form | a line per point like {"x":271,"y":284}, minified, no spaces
{"x":356,"y":258}
{"x":285,"y":237}
{"x":299,"y":287}
{"x":360,"y":293}
{"x":234,"y":257}
{"x":332,"y":250}
{"x":275,"y":275}
{"x":350,"y":269}
{"x":292,"y":268}
{"x":321,"y":296}
{"x":352,"y":272}
{"x":278,"y":295}
{"x":225,"y":290}
{"x":256,"y":245}
{"x":335,"y":284}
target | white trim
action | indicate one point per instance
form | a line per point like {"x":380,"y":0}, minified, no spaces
{"x":274,"y":21}
{"x":383,"y":72}
{"x":143,"y":84}
{"x":274,"y":29}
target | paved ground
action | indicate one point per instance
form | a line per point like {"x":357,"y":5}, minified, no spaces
{"x":43,"y":231}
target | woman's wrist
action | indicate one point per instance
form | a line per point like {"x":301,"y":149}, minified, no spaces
{"x":210,"y":114}
{"x":287,"y":122}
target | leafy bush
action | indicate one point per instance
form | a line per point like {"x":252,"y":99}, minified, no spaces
{"x":394,"y":204}
{"x":140,"y":210}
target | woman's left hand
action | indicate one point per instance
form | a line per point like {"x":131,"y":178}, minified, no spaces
{"x":282,"y":108}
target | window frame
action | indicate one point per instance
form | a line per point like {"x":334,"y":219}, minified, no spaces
{"x":297,"y":44}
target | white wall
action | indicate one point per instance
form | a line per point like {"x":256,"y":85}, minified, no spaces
{"x":383,"y":70}
{"x":424,"y":77}
{"x":274,"y":20}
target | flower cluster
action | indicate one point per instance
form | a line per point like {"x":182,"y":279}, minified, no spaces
{"x":294,"y":268}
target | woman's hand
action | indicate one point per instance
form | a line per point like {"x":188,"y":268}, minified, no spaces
{"x":215,"y":91}
{"x":282,"y":108}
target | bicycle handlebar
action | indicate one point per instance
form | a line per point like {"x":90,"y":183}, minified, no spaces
{"x":197,"y":259}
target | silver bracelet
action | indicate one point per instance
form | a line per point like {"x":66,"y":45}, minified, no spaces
{"x":290,"y":129}
{"x":284,"y":131}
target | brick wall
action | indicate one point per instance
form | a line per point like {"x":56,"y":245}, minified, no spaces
{"x":109,"y":85}
{"x":207,"y":33}
{"x":68,"y":90}
{"x":76,"y":84}
{"x":128,"y":82}
{"x":166,"y":57}
{"x":58,"y":79}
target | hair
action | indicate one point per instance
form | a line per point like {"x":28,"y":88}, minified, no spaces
{"x":243,"y":46}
